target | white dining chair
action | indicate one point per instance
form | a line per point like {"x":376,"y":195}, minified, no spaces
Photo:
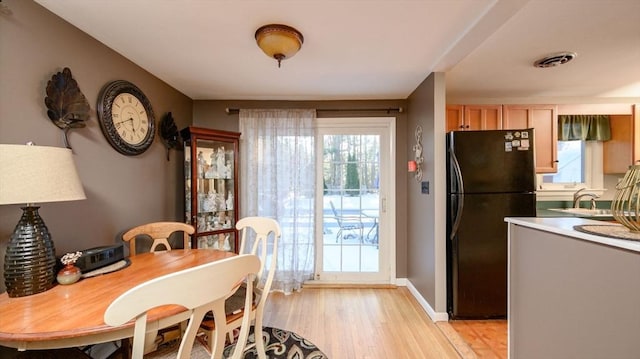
{"x":266,"y":234}
{"x":199,"y":289}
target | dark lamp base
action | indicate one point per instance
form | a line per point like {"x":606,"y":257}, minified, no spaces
{"x":30,"y":260}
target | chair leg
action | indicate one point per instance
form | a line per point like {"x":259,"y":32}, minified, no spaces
{"x":257,"y":335}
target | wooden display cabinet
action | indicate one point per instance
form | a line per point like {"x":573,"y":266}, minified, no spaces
{"x":211,"y":187}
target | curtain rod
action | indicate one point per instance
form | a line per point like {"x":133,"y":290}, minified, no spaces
{"x":397,"y":109}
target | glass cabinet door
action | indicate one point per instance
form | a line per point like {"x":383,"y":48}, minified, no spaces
{"x":211,"y":188}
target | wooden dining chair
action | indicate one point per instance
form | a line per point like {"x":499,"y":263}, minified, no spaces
{"x":266,"y":234}
{"x":159,"y":232}
{"x":194,"y":290}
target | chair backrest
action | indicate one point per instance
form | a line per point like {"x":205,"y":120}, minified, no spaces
{"x":335,"y":214}
{"x":159,"y":232}
{"x":262,"y":227}
{"x":193,"y":289}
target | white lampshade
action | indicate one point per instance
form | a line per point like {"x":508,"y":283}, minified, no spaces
{"x":37,"y":174}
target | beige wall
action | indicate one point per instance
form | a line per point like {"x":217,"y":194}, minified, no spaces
{"x":121,"y":191}
{"x":212,"y":114}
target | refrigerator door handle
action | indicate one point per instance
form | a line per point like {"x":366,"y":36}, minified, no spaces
{"x":455,"y":166}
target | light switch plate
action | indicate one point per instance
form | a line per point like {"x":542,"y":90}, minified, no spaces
{"x":425,"y":187}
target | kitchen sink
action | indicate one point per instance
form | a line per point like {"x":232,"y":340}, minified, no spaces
{"x":585,"y":212}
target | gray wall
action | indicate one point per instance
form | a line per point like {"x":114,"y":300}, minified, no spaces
{"x":121,"y":191}
{"x":426,"y":252}
{"x":212,"y":114}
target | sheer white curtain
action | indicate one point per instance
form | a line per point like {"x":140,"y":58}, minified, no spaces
{"x":277,"y":167}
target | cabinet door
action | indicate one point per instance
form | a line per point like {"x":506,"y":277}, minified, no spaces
{"x":618,"y":151}
{"x":455,"y":118}
{"x":483,"y":117}
{"x":211,"y":187}
{"x":544,"y":119}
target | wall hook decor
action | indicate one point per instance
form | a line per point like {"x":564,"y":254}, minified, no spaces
{"x":169,"y":133}
{"x":67,"y":107}
{"x":416,"y":165}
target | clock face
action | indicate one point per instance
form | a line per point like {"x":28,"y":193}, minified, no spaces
{"x":126,"y":118}
{"x":130,"y":118}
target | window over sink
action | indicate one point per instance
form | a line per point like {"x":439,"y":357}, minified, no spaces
{"x":579,"y":166}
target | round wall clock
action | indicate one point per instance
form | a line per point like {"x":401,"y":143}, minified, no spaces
{"x":126,"y":117}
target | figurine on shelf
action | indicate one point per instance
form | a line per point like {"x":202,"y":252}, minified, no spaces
{"x":202,"y":224}
{"x":227,"y":245}
{"x":227,"y":224}
{"x":228,"y":170}
{"x":230,"y":201}
{"x":220,"y":160}
{"x":201,"y":164}
{"x":209,"y":204}
{"x":222,"y":243}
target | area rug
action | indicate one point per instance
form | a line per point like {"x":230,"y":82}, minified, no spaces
{"x":279,"y":344}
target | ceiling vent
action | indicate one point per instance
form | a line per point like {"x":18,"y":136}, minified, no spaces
{"x":555,"y":59}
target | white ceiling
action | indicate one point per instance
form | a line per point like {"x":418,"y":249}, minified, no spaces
{"x":374,"y":49}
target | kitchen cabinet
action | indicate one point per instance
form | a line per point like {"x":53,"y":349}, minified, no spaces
{"x":542,"y":118}
{"x":623,"y":149}
{"x":474,"y":117}
{"x":211,"y":187}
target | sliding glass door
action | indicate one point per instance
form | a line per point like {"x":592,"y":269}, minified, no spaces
{"x":353,"y":178}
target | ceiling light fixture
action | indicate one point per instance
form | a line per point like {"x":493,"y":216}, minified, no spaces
{"x":279,"y":41}
{"x":554,"y":60}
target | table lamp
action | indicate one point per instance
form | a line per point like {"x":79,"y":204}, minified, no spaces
{"x":28,"y":175}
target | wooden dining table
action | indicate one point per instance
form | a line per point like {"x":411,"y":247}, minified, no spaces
{"x":72,"y":315}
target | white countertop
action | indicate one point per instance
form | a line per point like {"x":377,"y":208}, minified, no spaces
{"x":564,"y":226}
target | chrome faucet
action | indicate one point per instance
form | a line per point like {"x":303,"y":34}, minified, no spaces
{"x":577,"y":196}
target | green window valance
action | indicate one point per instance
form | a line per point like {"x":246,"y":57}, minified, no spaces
{"x":584,"y":127}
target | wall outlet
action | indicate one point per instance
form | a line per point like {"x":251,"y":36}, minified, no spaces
{"x":425,"y":187}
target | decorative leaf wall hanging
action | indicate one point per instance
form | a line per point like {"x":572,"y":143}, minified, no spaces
{"x":169,"y":133}
{"x":66,"y":105}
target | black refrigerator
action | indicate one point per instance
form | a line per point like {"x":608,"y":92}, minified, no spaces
{"x":490,"y":176}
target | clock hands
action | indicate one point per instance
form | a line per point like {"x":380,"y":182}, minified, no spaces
{"x":123,"y":121}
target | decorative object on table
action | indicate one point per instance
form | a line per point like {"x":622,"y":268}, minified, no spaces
{"x":126,"y":117}
{"x":416,"y":166}
{"x":169,"y":133}
{"x":66,"y":105}
{"x":69,"y":274}
{"x":609,"y":230}
{"x":279,"y":41}
{"x":98,"y":257}
{"x":625,"y":206}
{"x":34,"y":174}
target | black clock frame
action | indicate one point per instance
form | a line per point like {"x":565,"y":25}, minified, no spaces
{"x":105,"y":102}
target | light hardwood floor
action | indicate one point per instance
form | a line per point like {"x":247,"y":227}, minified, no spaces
{"x":360,"y":323}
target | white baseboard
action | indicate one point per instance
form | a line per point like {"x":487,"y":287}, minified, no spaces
{"x":435,"y":316}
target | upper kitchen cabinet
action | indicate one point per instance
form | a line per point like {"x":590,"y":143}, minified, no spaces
{"x":544,"y":119}
{"x":623,"y":149}
{"x":474,"y":117}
